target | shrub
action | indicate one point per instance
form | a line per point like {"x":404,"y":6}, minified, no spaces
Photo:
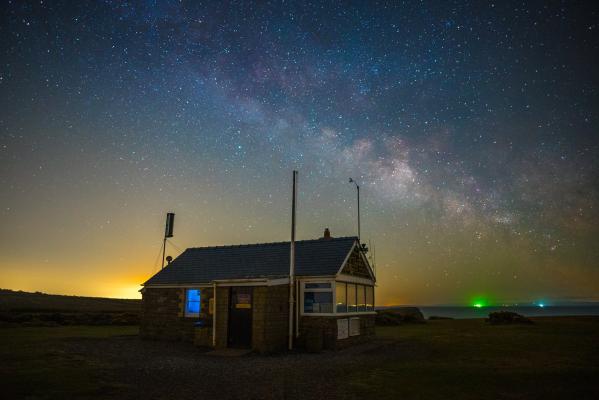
{"x":507,"y":317}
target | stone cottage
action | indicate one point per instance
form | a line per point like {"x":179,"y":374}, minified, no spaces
{"x":238,"y":296}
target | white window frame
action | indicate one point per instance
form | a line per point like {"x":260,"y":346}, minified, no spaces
{"x":319,"y":290}
{"x":191,"y":314}
{"x":333,"y":290}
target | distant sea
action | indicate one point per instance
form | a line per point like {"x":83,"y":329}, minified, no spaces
{"x":528,"y":311}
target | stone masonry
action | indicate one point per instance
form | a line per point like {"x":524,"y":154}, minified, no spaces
{"x":327,"y":327}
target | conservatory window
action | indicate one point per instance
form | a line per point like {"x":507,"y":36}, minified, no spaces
{"x":361,"y":297}
{"x":341,"y":297}
{"x":369,"y":298}
{"x":351,"y":298}
{"x":318,"y":298}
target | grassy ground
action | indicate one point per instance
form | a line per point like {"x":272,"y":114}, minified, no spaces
{"x":555,"y":358}
{"x":18,"y":301}
{"x":35,"y":363}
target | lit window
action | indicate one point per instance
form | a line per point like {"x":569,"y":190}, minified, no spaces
{"x":369,"y":298}
{"x":192,"y":303}
{"x":351,"y":298}
{"x":318,"y":298}
{"x":361,"y":297}
{"x":341,"y":297}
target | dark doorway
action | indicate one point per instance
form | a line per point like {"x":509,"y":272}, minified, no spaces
{"x":240,"y":317}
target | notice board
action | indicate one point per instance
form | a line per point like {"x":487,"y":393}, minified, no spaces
{"x":342,"y":328}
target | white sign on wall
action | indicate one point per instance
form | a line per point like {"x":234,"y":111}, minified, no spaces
{"x":342,"y":328}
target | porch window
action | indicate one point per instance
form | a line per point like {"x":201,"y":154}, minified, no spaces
{"x":351,"y":298}
{"x":361,"y":297}
{"x":340,"y":297}
{"x":192,"y":302}
{"x":318,"y":298}
{"x":369,"y":298}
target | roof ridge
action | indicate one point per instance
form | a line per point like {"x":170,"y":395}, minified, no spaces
{"x":229,"y":246}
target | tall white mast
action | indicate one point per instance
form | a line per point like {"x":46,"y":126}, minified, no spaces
{"x":292,"y":261}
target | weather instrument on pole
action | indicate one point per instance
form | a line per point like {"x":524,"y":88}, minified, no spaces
{"x":358,"y":192}
{"x":170,"y":224}
{"x":362,"y":246}
{"x":168,"y":233}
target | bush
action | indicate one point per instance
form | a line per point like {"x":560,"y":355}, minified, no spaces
{"x":507,"y":317}
{"x":399,"y":315}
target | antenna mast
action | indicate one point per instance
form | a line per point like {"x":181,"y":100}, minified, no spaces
{"x":168,"y":232}
{"x":292,"y":260}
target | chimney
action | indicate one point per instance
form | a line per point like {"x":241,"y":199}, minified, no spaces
{"x":327,"y":234}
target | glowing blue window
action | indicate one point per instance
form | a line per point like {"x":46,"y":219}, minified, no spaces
{"x":192,"y":302}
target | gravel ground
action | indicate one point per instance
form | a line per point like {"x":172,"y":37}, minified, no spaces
{"x":132,"y":368}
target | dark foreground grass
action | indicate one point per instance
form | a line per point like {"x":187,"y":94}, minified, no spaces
{"x":556,"y":358}
{"x":35,"y":365}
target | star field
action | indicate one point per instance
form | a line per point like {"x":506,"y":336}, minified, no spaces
{"x":471,"y":127}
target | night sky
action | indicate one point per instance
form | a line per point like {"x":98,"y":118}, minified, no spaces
{"x":472,"y":129}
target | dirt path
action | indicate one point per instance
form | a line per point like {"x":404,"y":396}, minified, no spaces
{"x":132,"y":368}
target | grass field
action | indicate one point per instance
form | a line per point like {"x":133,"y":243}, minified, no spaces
{"x":556,"y":358}
{"x":19,"y":308}
{"x":18,"y":301}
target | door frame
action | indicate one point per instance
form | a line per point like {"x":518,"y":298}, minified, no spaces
{"x":233,"y":289}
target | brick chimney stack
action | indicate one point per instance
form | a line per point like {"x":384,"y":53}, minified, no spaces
{"x":327,"y":234}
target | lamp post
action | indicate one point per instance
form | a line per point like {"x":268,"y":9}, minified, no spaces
{"x":358,"y":193}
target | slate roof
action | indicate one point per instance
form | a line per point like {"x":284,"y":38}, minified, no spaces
{"x":263,"y":260}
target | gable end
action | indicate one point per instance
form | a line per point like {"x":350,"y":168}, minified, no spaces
{"x":356,"y":265}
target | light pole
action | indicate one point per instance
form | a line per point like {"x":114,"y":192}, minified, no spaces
{"x":358,"y":192}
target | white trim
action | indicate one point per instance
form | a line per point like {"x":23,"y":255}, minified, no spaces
{"x":346,"y":258}
{"x":368,"y":267}
{"x":178,"y":285}
{"x":297,"y":306}
{"x":223,"y":282}
{"x":370,"y":270}
{"x":340,"y":315}
{"x":300,"y":302}
{"x":315,"y":278}
{"x":214,"y":315}
{"x":276,"y":282}
{"x":333,"y":291}
{"x":354,"y":279}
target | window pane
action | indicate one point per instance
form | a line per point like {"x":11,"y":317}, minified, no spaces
{"x":351,"y":297}
{"x":361,"y":297}
{"x":192,"y":302}
{"x":318,"y":285}
{"x":340,"y":295}
{"x":369,"y":298}
{"x":318,"y":302}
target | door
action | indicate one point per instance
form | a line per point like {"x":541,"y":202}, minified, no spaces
{"x":240,"y":317}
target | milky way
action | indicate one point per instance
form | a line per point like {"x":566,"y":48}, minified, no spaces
{"x":472,"y":129}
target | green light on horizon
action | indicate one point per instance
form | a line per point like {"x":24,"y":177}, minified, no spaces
{"x":479,"y":302}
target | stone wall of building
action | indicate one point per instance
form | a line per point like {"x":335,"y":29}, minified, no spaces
{"x":222,"y":316}
{"x":270,"y":318}
{"x":327,"y":327}
{"x":163,"y":316}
